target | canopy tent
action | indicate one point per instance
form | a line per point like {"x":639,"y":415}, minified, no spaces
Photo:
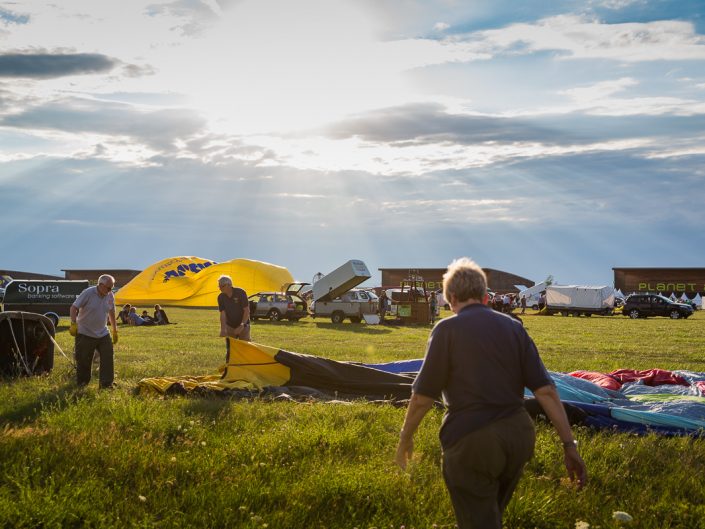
{"x":684,"y":298}
{"x":665,"y":402}
{"x":698,"y":300}
{"x":673,"y":297}
{"x":193,"y":281}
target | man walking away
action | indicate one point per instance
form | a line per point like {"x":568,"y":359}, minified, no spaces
{"x":89,"y":313}
{"x":481,"y":361}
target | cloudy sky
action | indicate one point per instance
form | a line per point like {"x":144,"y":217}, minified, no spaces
{"x":561,"y":138}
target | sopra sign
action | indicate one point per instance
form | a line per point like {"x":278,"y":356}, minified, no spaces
{"x":61,"y":292}
{"x":45,"y":292}
{"x":37,"y":289}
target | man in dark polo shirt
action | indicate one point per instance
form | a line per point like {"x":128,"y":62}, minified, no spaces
{"x":480,"y":361}
{"x":234,"y":310}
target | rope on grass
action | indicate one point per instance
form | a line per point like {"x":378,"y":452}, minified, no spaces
{"x":56,"y":344}
{"x":18,"y":352}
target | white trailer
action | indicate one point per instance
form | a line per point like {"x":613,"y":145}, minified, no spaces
{"x":573,"y":300}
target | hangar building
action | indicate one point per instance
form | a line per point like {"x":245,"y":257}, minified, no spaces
{"x":497,"y":281}
{"x":122,"y":276}
{"x":688,"y":281}
{"x":18,"y":274}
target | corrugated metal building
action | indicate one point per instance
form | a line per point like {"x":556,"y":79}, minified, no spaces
{"x":688,"y":281}
{"x":122,"y":276}
{"x":19,"y":274}
{"x":497,"y":280}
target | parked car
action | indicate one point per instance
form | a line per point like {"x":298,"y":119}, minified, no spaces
{"x":644,"y":305}
{"x":276,"y":306}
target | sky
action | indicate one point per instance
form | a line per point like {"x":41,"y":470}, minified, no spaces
{"x":539,"y":138}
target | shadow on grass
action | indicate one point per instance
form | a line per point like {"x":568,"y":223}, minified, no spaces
{"x":208,"y":406}
{"x":58,"y":399}
{"x":357,"y":328}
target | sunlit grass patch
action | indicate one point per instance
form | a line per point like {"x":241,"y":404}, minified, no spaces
{"x":89,"y":458}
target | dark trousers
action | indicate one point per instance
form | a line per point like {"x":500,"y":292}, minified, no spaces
{"x":483,"y":468}
{"x":85,"y":346}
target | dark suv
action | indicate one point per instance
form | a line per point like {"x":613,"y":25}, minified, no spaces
{"x":643,"y":305}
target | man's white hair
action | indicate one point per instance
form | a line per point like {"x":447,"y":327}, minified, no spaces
{"x":225,"y":280}
{"x":105,"y":279}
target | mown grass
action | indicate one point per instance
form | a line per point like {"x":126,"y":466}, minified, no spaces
{"x":84,"y":458}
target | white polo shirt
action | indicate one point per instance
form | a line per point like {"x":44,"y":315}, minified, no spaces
{"x":93,"y":312}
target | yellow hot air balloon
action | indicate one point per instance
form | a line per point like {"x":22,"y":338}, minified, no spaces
{"x":193,"y":281}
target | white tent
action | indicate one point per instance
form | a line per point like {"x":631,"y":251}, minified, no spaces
{"x":684,"y":298}
{"x":673,"y":296}
{"x":618,"y":293}
{"x":698,"y":301}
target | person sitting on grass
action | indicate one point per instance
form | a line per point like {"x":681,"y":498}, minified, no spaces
{"x":146,"y":317}
{"x":124,"y":315}
{"x":137,"y":320}
{"x":160,"y":316}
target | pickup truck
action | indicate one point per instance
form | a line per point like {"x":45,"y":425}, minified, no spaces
{"x":354,"y":304}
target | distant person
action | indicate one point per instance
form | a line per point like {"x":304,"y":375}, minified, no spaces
{"x":124,"y":315}
{"x":138,"y":320}
{"x":433,"y":306}
{"x":542,"y":300}
{"x":234,"y":310}
{"x":383,"y":305}
{"x":89,"y":313}
{"x":147,"y":318}
{"x":498,"y":303}
{"x":160,"y":316}
{"x":480,"y":361}
{"x":523,"y":304}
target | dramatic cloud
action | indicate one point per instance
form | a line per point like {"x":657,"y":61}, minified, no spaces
{"x":157,"y":128}
{"x":600,"y":99}
{"x":540,"y":138}
{"x":51,"y":65}
{"x":10,"y":17}
{"x":195,"y":16}
{"x":432,"y":123}
{"x":577,"y":37}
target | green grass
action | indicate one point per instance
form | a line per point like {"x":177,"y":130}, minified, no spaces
{"x":84,"y":458}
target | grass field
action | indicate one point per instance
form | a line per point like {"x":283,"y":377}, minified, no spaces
{"x":84,"y":458}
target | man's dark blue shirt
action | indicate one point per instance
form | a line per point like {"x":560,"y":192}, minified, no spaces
{"x":480,"y":361}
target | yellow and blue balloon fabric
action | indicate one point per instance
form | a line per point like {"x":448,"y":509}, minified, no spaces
{"x":193,"y":281}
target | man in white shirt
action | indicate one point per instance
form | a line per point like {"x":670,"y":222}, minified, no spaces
{"x":89,"y":313}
